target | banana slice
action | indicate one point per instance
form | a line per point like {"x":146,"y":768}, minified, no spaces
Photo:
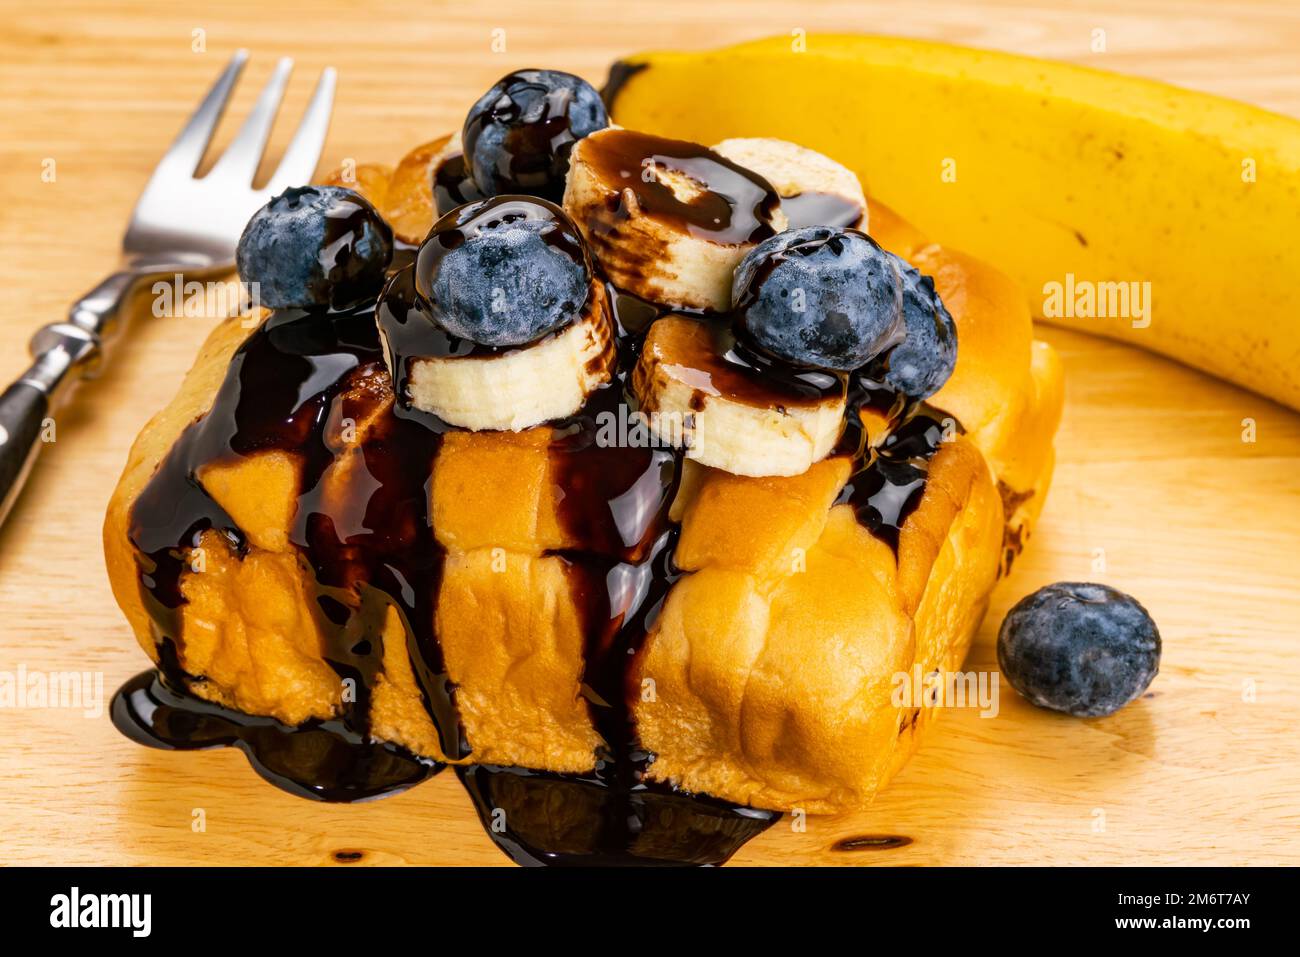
{"x":814,"y":189}
{"x":698,"y":393}
{"x":669,"y":220}
{"x":520,"y":388}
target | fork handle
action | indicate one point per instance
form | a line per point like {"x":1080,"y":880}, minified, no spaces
{"x":23,"y":410}
{"x":64,"y":352}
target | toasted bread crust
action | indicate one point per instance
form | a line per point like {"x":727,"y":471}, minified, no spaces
{"x":767,"y":676}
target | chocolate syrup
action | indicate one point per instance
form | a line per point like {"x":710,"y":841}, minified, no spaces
{"x":871,"y":842}
{"x":548,"y":820}
{"x":632,"y":318}
{"x":733,"y":204}
{"x":821,"y":209}
{"x":404,"y":254}
{"x":743,"y":374}
{"x":409,"y":328}
{"x":802,"y":209}
{"x":888,"y":481}
{"x":363,"y":526}
{"x":361,"y":521}
{"x":453,"y":186}
{"x":1013,"y":536}
{"x":322,"y":760}
{"x":614,"y":502}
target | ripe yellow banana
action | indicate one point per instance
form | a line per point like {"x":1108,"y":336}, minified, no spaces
{"x":1166,"y":218}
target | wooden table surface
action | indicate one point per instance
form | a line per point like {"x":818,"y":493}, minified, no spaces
{"x":1156,"y":492}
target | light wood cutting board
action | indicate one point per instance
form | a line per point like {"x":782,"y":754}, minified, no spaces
{"x":1156,"y":492}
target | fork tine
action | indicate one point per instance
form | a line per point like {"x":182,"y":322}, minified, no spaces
{"x":244,"y":154}
{"x":303,"y":152}
{"x":188,"y":148}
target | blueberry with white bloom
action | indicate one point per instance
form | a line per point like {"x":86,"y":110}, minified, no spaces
{"x":315,"y":246}
{"x":819,"y":296}
{"x":504,"y":271}
{"x":518,"y":136}
{"x":1083,"y":649}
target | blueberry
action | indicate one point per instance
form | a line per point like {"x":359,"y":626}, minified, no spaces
{"x":1084,"y":649}
{"x":818,"y":296}
{"x":518,"y":136}
{"x":920,"y":364}
{"x":315,"y":246}
{"x":504,"y":271}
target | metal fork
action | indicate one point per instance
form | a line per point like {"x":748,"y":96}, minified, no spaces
{"x":181,"y":224}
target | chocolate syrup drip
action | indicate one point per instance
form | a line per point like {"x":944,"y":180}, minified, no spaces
{"x":312,"y":384}
{"x":404,"y":255}
{"x":733,"y":205}
{"x":821,"y":209}
{"x":453,"y":186}
{"x":548,"y":821}
{"x":888,"y":481}
{"x":322,"y":760}
{"x":363,"y":525}
{"x":872,"y":842}
{"x":616,"y":484}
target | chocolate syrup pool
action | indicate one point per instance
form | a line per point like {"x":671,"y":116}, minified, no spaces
{"x":366,"y":534}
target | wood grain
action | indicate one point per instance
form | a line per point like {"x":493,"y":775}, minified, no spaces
{"x":1156,"y":491}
